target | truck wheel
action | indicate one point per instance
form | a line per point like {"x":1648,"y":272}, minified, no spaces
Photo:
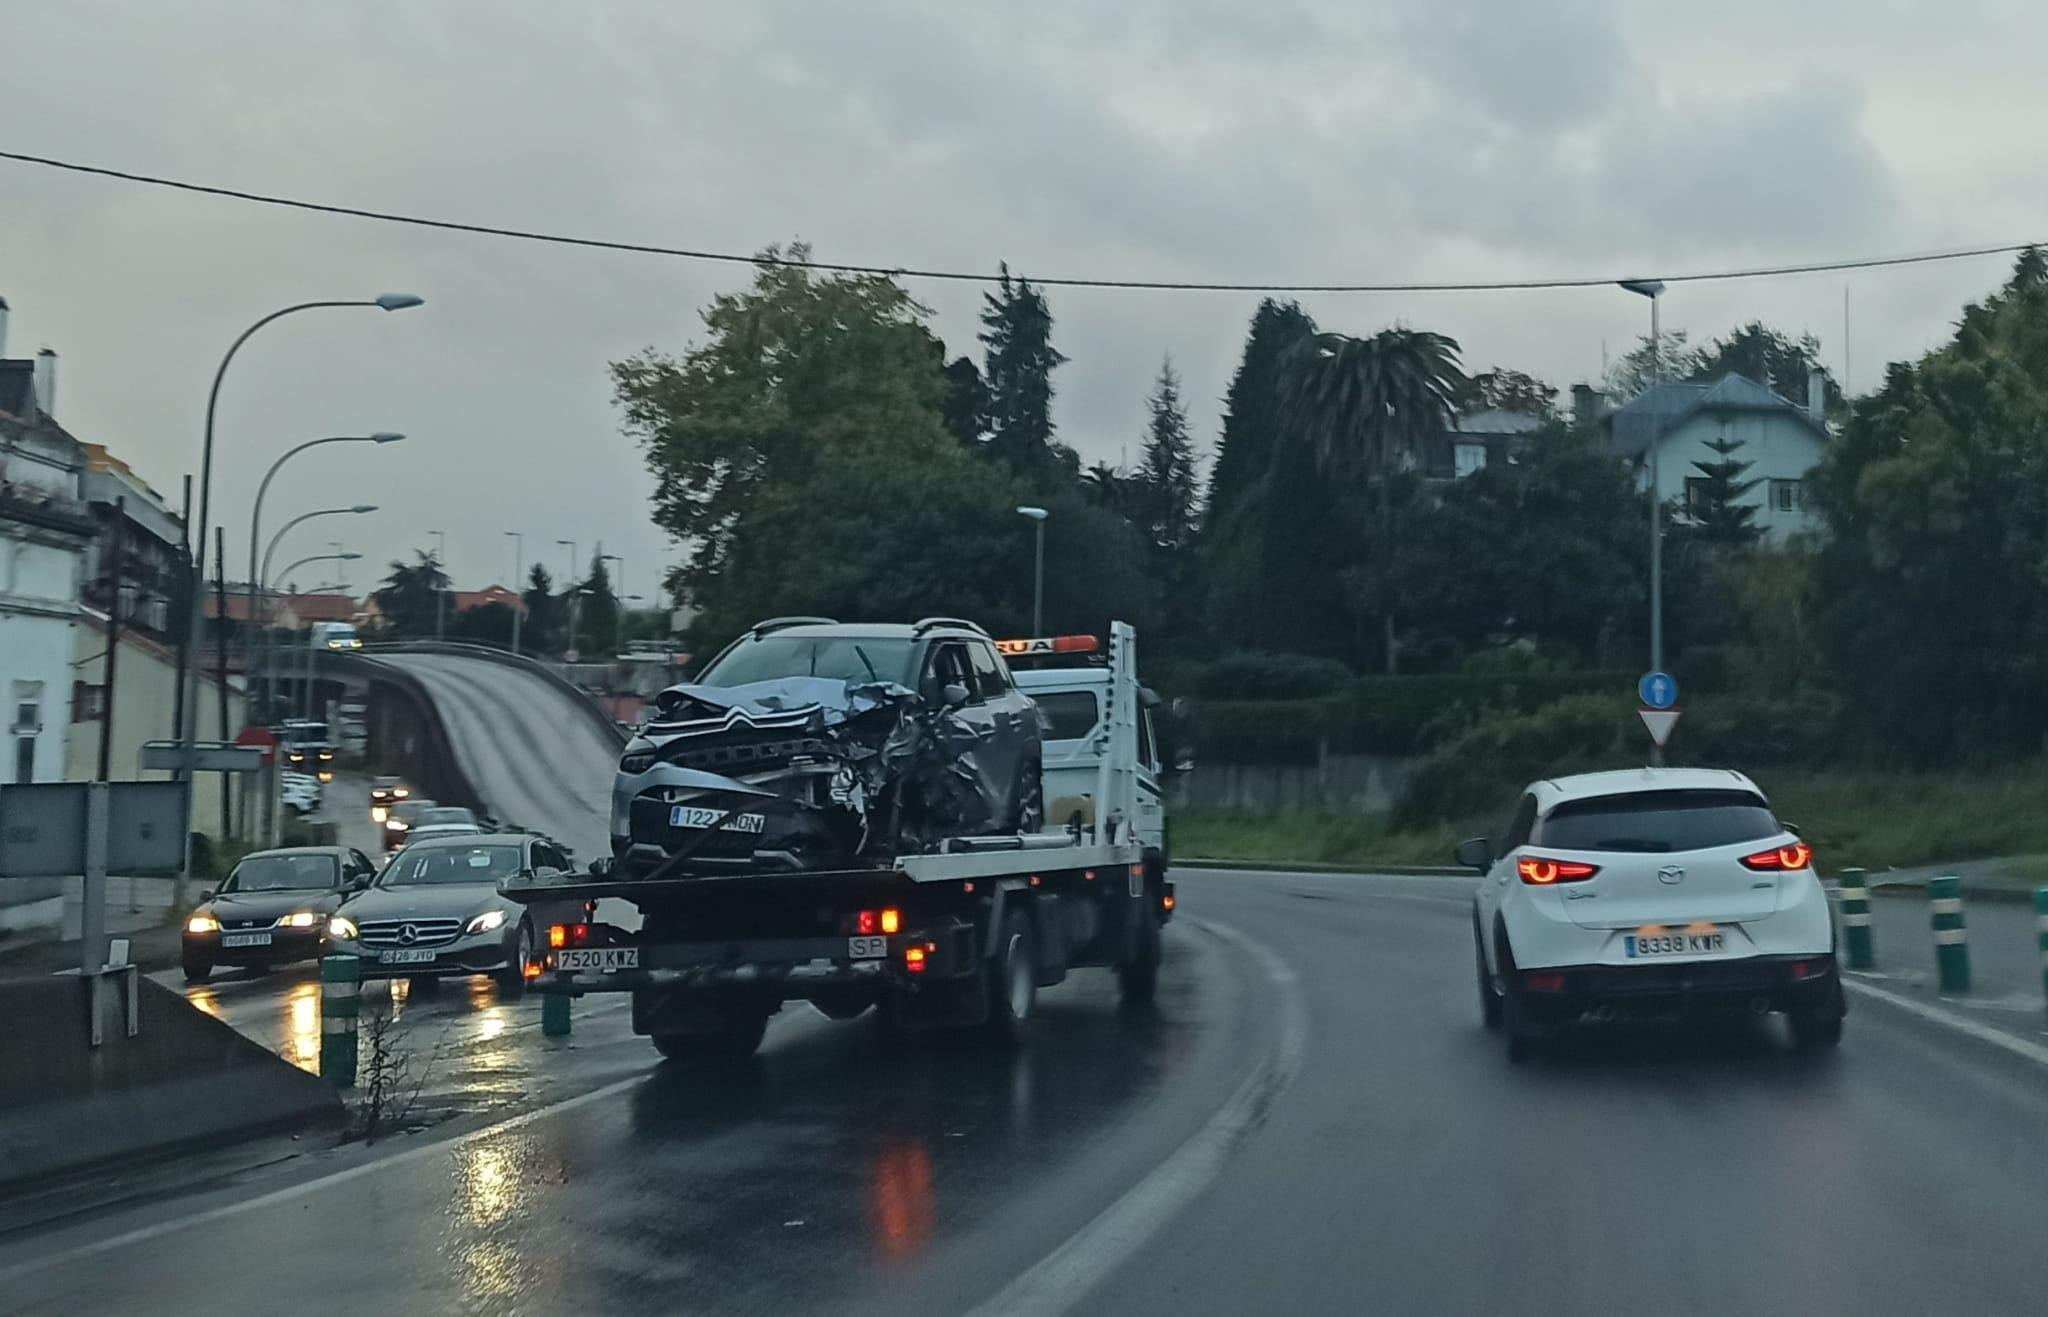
{"x":737,"y":1037}
{"x":1012,"y":978}
{"x":1139,"y":976}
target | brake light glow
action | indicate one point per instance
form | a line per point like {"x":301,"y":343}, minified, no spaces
{"x":1544,"y":981}
{"x":1784,"y":859}
{"x":867,"y":922}
{"x":1540,"y":872}
{"x":892,"y":921}
{"x":1166,"y":902}
{"x":913,"y":959}
{"x":568,"y":935}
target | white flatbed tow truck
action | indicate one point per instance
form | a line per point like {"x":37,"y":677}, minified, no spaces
{"x":963,"y":936}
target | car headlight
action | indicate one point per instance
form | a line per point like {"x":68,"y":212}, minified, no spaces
{"x":485,"y":922}
{"x":637,"y":759}
{"x":327,"y":754}
{"x":397,"y":825}
{"x":202,"y":924}
{"x":299,"y":919}
{"x":341,"y":926}
{"x":401,"y":792}
{"x":378,"y":813}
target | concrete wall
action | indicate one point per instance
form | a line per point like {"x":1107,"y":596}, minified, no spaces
{"x":1364,"y":783}
{"x":145,"y":698}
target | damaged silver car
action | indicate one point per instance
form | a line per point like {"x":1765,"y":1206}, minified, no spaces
{"x":809,"y":744}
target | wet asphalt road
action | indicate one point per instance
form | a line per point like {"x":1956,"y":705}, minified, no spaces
{"x":1398,"y":1164}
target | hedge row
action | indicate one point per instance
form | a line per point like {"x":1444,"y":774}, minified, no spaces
{"x":1383,"y":715}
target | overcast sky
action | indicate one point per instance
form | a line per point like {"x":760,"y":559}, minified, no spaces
{"x":1280,"y":141}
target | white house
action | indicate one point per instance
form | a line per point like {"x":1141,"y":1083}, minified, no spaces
{"x":1780,"y":440}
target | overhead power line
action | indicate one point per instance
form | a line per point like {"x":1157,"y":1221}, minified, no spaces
{"x":1052,"y":281}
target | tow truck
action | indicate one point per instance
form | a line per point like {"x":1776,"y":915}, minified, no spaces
{"x":962,"y":936}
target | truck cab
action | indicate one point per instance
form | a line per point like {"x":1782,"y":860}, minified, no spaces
{"x":1071,"y":694}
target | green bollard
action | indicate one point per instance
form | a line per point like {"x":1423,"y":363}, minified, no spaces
{"x":1856,"y":933}
{"x":1951,"y":943}
{"x":2041,"y":923}
{"x":341,"y":993}
{"x":554,"y":1015}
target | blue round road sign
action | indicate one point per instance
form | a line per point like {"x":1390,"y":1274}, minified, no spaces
{"x":1657,"y":690}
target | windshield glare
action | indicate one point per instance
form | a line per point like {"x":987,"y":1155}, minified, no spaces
{"x":450,"y":865}
{"x":841,"y":658}
{"x":282,"y":873}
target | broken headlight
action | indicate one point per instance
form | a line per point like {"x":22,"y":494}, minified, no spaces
{"x":639,"y":757}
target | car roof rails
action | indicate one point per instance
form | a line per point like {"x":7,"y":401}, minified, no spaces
{"x":925,"y":624}
{"x":778,"y":623}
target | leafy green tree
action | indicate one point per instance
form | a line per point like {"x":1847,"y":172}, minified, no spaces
{"x":411,"y":595}
{"x":967,"y":402}
{"x":1020,"y":359}
{"x":1505,"y":390}
{"x":1631,"y":373}
{"x":485,"y":624}
{"x":1718,"y":514}
{"x":1366,"y":408}
{"x":1771,"y":358}
{"x":541,"y":632}
{"x":1936,"y":499}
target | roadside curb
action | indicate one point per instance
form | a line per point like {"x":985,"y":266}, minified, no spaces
{"x":1319,"y":866}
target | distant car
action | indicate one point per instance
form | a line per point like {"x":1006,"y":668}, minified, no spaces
{"x":384,"y":793}
{"x":808,"y":742}
{"x":437,"y":910}
{"x":398,"y":822}
{"x":334,"y":636}
{"x":299,"y":791}
{"x":272,"y":908}
{"x":443,"y":821}
{"x":308,"y":747}
{"x":1650,"y":893}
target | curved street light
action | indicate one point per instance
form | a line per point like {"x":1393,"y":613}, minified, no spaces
{"x":310,"y":558}
{"x":1038,"y":516}
{"x":188,"y":732}
{"x":263,"y":576}
{"x":256,"y":512}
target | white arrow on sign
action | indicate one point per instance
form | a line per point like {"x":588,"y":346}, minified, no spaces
{"x":1660,"y":722}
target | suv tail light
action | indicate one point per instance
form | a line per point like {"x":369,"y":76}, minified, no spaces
{"x":1540,"y":872}
{"x":1784,"y":859}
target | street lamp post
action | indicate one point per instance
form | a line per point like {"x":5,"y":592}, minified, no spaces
{"x":256,"y":510}
{"x":286,"y":575}
{"x":189,"y":732}
{"x":570,"y":591}
{"x":440,"y":595}
{"x":1654,"y":290}
{"x":263,"y":574}
{"x":618,"y":598}
{"x":1037,"y":515}
{"x":519,"y":592}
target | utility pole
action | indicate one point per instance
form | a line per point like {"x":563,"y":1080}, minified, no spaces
{"x":1654,"y":290}
{"x":220,"y":662}
{"x":112,"y":555}
{"x":518,"y":586}
{"x":184,"y":626}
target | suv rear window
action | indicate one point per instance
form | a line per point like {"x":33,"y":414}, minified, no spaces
{"x":1657,"y":821}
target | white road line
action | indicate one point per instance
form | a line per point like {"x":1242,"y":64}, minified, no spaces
{"x":1983,"y":1033}
{"x":1060,"y":1280}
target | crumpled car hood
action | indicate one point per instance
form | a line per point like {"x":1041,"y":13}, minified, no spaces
{"x":776,"y":701}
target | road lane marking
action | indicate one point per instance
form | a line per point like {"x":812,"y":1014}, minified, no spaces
{"x":1065,"y":1276}
{"x":1983,"y":1033}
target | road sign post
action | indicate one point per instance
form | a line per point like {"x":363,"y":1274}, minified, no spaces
{"x":554,"y":1015}
{"x":1951,"y":942}
{"x":1658,"y":692}
{"x":1856,"y":935}
{"x":341,"y":997}
{"x":2041,"y":925}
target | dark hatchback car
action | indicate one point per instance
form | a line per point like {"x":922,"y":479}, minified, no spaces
{"x":808,"y":742}
{"x":272,"y":909}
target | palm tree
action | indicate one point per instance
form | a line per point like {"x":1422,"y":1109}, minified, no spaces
{"x":1367,"y":408}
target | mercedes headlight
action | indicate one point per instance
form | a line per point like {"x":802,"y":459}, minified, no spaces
{"x":342,"y":927}
{"x":485,"y":922}
{"x":202,"y":924}
{"x":299,"y":919}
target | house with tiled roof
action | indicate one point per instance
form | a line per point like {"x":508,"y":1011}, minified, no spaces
{"x":1781,"y":440}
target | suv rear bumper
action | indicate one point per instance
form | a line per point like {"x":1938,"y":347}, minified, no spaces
{"x":1755,"y":984}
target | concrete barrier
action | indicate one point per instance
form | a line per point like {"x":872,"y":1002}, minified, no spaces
{"x":183,"y":1079}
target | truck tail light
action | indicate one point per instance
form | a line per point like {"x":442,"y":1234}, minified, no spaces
{"x":913,"y":960}
{"x":1784,"y":859}
{"x":1540,"y":872}
{"x":568,"y":935}
{"x":892,"y":921}
{"x":867,"y":922}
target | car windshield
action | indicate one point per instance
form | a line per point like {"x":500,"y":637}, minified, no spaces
{"x":423,"y":866}
{"x":409,"y":811}
{"x":1069,"y":715}
{"x":842,"y":658}
{"x":446,"y":814}
{"x":1658,"y":821}
{"x":282,"y":873}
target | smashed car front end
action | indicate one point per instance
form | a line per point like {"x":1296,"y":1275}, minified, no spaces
{"x":797,"y":773}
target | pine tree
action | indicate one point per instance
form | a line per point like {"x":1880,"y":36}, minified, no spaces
{"x":1254,"y":405}
{"x":1718,"y":514}
{"x":1167,"y":466}
{"x":1017,"y":330}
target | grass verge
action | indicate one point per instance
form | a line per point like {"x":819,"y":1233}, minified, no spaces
{"x":1874,"y":819}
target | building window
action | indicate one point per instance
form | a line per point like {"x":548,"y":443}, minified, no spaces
{"x":1787,"y":496}
{"x":1467,"y":458}
{"x":1698,"y":490}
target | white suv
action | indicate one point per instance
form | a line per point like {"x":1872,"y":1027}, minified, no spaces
{"x":1652,"y":893}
